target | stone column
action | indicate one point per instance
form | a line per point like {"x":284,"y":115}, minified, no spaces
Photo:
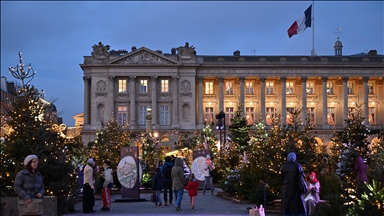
{"x":304,"y":96}
{"x":132,"y":96}
{"x":154,"y":101}
{"x":262,"y":98}
{"x":111,"y":98}
{"x":283,"y":99}
{"x":175,"y":104}
{"x":242,"y":94}
{"x":366,"y":103}
{"x":345,"y":98}
{"x":221,"y":94}
{"x":325,"y":103}
{"x":87,"y":101}
{"x":200,"y":112}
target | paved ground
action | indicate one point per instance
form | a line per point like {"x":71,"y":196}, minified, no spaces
{"x":205,"y":205}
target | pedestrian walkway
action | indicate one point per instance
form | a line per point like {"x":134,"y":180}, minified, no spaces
{"x":205,"y":205}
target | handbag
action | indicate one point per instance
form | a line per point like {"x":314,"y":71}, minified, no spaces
{"x":33,"y":208}
{"x":153,"y":197}
{"x":257,"y":211}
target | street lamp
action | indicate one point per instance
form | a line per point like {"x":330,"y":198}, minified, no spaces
{"x":156,"y":140}
{"x":19,"y":73}
{"x":221,"y":126}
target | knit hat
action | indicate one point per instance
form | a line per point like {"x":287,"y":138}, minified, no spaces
{"x":91,"y":161}
{"x":208,"y":157}
{"x":29,"y":158}
{"x":291,"y":156}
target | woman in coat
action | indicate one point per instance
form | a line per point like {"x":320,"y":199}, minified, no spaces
{"x":292,"y":199}
{"x":178,"y":182}
{"x":312,"y":196}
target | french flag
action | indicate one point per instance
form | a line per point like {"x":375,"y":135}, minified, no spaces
{"x":301,"y":24}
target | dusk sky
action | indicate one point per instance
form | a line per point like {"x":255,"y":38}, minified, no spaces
{"x":54,"y":36}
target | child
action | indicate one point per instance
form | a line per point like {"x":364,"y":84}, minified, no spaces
{"x":158,"y":185}
{"x":192,"y":186}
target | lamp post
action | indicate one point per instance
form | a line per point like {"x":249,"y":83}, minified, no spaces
{"x":156,"y":140}
{"x":221,"y":126}
{"x":19,"y":73}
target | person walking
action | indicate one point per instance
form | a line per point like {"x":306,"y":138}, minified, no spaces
{"x":312,"y":196}
{"x":107,"y":183}
{"x":166,"y":170}
{"x":292,"y":175}
{"x":178,"y":182}
{"x":192,"y":186}
{"x":88,"y":187}
{"x":208,"y":170}
{"x":28,"y":183}
{"x":158,"y":185}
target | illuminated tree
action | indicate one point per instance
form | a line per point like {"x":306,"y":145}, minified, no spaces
{"x":32,"y":133}
{"x":354,"y":137}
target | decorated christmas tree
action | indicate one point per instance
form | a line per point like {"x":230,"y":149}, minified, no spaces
{"x":354,"y":137}
{"x":110,"y":137}
{"x":32,"y":132}
{"x":240,"y":130}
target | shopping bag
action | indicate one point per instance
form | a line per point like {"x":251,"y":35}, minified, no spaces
{"x":153,"y":197}
{"x":33,"y":208}
{"x":257,"y":211}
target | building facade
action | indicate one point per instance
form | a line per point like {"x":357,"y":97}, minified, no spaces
{"x":184,"y":89}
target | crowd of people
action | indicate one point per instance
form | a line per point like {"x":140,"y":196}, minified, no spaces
{"x":300,"y":195}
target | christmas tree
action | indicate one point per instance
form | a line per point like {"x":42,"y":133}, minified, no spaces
{"x":240,"y":130}
{"x":354,"y":137}
{"x":110,"y":138}
{"x":32,"y":132}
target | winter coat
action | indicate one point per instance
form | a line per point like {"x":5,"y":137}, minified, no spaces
{"x":178,"y":179}
{"x":166,"y":163}
{"x":292,"y":200}
{"x":107,"y":176}
{"x":208,"y":167}
{"x":192,"y":187}
{"x":158,"y":181}
{"x":27,"y":186}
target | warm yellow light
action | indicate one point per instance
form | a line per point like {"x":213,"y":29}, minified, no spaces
{"x":333,"y":103}
{"x":373,"y":103}
{"x":156,"y":134}
{"x":312,"y":103}
{"x":209,"y":103}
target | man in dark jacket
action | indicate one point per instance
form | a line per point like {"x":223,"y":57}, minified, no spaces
{"x":292,"y":198}
{"x":166,"y":170}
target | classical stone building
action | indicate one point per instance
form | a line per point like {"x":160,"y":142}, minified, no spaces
{"x":184,"y":89}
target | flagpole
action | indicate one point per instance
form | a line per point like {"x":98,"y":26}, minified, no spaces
{"x":313,"y":53}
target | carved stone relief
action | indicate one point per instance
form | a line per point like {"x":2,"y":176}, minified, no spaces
{"x":186,"y":88}
{"x":186,"y":52}
{"x":101,"y":88}
{"x":145,"y":58}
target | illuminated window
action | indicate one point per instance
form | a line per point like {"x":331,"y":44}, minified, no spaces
{"x":310,"y":87}
{"x":122,"y":86}
{"x":209,"y":114}
{"x":289,"y":119}
{"x":370,"y":88}
{"x":311,"y":115}
{"x":165,"y":86}
{"x":248,"y":87}
{"x":270,"y":114}
{"x":371,"y":115}
{"x":249,"y":115}
{"x":269,"y":88}
{"x":142,"y":113}
{"x":208,"y":87}
{"x":331,"y":116}
{"x":289,"y":86}
{"x":228,"y":87}
{"x":228,"y":115}
{"x":329,"y":88}
{"x":143,"y":86}
{"x":122,"y":114}
{"x":165,"y":115}
{"x":350,"y":87}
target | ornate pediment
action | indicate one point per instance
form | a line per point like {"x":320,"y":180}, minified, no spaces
{"x":144,"y":56}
